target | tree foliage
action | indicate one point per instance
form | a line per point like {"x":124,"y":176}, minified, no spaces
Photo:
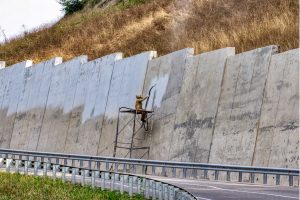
{"x":71,"y":6}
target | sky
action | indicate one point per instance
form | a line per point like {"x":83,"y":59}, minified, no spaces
{"x":16,"y":16}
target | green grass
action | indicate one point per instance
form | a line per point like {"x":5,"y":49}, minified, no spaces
{"x":19,"y":187}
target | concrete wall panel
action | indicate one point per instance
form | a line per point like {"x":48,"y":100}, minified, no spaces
{"x":127,"y":81}
{"x":166,"y":73}
{"x":21,"y":137}
{"x":197,"y":106}
{"x":57,"y":114}
{"x":12,"y":89}
{"x":89,"y":105}
{"x":37,"y":102}
{"x":278,"y":135}
{"x":239,"y":107}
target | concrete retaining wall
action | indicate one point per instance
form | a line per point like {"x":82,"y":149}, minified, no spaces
{"x":216,"y":107}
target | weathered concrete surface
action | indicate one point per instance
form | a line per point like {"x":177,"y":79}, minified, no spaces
{"x":278,"y":135}
{"x":239,"y":107}
{"x":57,"y":114}
{"x":197,"y":106}
{"x":12,"y":85}
{"x":31,"y":84}
{"x":37,"y":102}
{"x":127,"y":81}
{"x":89,"y":105}
{"x":247,"y":115}
{"x":166,"y":73}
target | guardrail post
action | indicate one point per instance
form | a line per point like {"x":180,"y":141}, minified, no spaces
{"x":64,"y":171}
{"x":89,"y":164}
{"x":81,"y":164}
{"x":176,"y":191}
{"x":163,"y":171}
{"x":54,"y":170}
{"x":171,"y":193}
{"x":153,"y":170}
{"x":184,"y":172}
{"x":240,"y":176}
{"x":130,"y":186}
{"x":184,"y":195}
{"x":139,"y":185}
{"x":252,"y":177}
{"x":73,"y":178}
{"x":98,"y":165}
{"x":107,"y":166}
{"x":124,"y":168}
{"x":65,"y":162}
{"x":26,"y":167}
{"x":116,"y":167}
{"x":134,"y":169}
{"x":102,"y":180}
{"x":8,"y":164}
{"x":205,"y":174}
{"x":160,"y":191}
{"x":121,"y":184}
{"x":166,"y":191}
{"x":147,"y":189}
{"x":178,"y":194}
{"x":97,"y":174}
{"x":82,"y":177}
{"x":173,"y":172}
{"x":36,"y":167}
{"x":265,"y":178}
{"x":112,"y":182}
{"x":216,"y":175}
{"x":93,"y":179}
{"x":195,"y":173}
{"x":107,"y":175}
{"x":143,"y":169}
{"x":126,"y":178}
{"x":1,"y":162}
{"x":153,"y":189}
{"x":277,"y":179}
{"x":45,"y":168}
{"x":17,"y":165}
{"x":228,"y":176}
{"x":291,"y":180}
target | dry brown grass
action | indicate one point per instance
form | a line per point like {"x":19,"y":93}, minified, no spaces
{"x":165,"y":26}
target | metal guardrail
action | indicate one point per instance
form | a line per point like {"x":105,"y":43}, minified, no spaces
{"x":158,"y":168}
{"x":133,"y":184}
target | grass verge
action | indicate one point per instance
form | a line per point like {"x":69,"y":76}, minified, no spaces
{"x":19,"y":187}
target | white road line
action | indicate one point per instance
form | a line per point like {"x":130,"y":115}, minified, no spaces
{"x":259,"y":193}
{"x":192,"y":182}
{"x":203,"y":198}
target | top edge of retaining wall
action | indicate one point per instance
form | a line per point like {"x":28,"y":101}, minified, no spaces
{"x":2,"y":64}
{"x":189,"y":51}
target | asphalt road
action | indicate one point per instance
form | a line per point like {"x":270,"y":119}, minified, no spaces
{"x":210,"y":190}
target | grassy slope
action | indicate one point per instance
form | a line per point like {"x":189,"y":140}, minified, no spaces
{"x":19,"y":187}
{"x":165,"y":26}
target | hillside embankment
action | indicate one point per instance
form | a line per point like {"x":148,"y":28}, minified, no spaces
{"x":164,"y":26}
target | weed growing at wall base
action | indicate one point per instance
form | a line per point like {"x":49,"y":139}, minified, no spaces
{"x":19,"y":187}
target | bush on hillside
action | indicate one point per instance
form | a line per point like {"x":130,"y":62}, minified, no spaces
{"x":71,"y":6}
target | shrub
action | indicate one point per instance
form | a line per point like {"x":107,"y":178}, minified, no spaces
{"x":71,"y":6}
